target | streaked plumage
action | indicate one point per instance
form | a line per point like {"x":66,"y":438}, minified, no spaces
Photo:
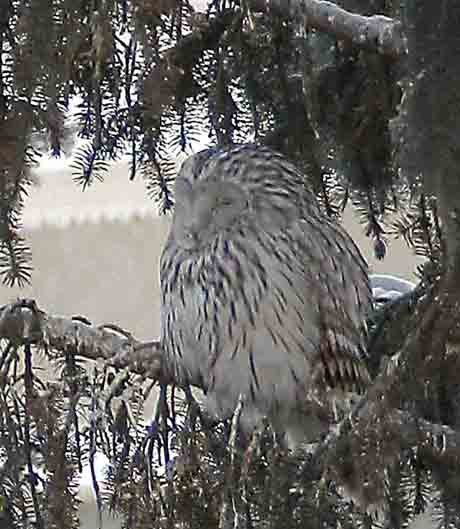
{"x":262,"y":295}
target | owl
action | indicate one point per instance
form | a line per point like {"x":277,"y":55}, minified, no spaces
{"x":264,"y":297}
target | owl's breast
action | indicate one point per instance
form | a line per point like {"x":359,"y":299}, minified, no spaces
{"x":209,"y":301}
{"x":181,"y":318}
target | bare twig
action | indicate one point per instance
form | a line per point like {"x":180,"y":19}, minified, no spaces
{"x":232,"y":446}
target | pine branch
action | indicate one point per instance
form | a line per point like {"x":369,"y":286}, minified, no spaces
{"x":413,"y":430}
{"x":24,"y":322}
{"x":162,"y":85}
{"x":378,"y":414}
{"x":377,"y":33}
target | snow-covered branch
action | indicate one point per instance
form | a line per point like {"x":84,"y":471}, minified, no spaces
{"x":378,"y":33}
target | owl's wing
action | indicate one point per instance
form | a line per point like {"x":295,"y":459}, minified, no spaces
{"x":318,"y":270}
{"x":336,"y":275}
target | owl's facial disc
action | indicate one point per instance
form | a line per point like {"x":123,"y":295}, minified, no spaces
{"x":205,"y":210}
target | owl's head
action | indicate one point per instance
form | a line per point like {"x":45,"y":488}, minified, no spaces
{"x":218,"y":192}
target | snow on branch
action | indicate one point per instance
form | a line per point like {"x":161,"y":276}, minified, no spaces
{"x":376,"y":33}
{"x":379,"y":33}
{"x":23,"y":322}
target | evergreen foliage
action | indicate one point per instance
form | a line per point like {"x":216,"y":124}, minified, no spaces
{"x":149,"y":78}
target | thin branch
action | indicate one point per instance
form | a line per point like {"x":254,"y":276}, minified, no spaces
{"x":412,"y":430}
